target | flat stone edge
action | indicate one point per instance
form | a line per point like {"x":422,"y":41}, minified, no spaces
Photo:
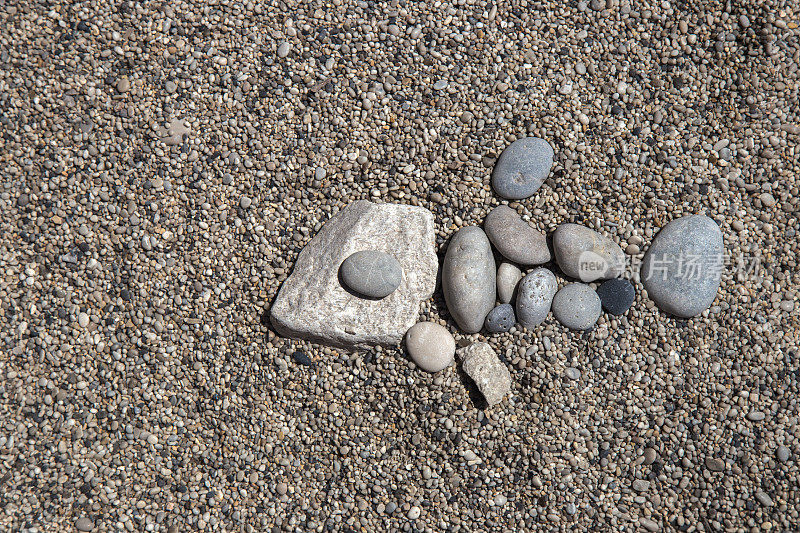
{"x":285,"y":328}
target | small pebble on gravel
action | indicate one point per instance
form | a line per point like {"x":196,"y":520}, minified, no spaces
{"x":500,"y":319}
{"x":577,"y":306}
{"x":522,"y":168}
{"x":616,"y":295}
{"x":430,"y":346}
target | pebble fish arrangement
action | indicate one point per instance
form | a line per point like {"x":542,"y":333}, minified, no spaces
{"x":481,"y":296}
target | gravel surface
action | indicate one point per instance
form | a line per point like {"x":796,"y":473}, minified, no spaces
{"x":164,"y":163}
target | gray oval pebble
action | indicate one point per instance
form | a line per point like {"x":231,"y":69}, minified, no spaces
{"x":783,"y":454}
{"x":371,"y":273}
{"x":534,"y":296}
{"x":683,"y":268}
{"x":283,"y":49}
{"x":577,"y":306}
{"x":584,"y":254}
{"x":469,"y":278}
{"x":84,"y":524}
{"x":522,"y":168}
{"x":500,"y":319}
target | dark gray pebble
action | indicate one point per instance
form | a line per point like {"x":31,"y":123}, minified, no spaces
{"x":616,"y":295}
{"x":500,"y":319}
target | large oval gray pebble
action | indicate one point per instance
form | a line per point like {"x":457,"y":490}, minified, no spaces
{"x":500,"y":319}
{"x":683,"y":267}
{"x":577,"y":306}
{"x":534,"y":296}
{"x":508,"y":277}
{"x":522,"y":168}
{"x":469,"y":278}
{"x":430,"y":346}
{"x":371,"y":273}
{"x":514,"y":238}
{"x":584,"y":254}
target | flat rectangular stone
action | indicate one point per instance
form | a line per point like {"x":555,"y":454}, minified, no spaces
{"x":312,"y":304}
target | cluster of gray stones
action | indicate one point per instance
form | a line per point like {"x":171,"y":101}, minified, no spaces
{"x":361,"y":280}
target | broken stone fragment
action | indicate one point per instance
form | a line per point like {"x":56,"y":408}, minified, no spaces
{"x":490,"y":375}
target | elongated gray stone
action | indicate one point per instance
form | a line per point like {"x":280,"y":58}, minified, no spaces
{"x":683,"y":267}
{"x":490,"y":375}
{"x":514,"y":238}
{"x":372,"y":273}
{"x":534,"y":296}
{"x":584,"y":254}
{"x":313,"y":305}
{"x":469,"y":278}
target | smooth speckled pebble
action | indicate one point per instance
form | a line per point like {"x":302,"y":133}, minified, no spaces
{"x":534,"y":296}
{"x":514,"y":238}
{"x":577,"y":306}
{"x":508,"y":277}
{"x":469,"y":278}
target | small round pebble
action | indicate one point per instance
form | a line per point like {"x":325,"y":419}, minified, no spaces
{"x":430,"y":346}
{"x":522,"y":168}
{"x":83,"y":320}
{"x":573,"y":373}
{"x":283,"y":49}
{"x":84,"y":524}
{"x":616,"y":295}
{"x":414,"y":513}
{"x":372,"y":273}
{"x":500,"y":319}
{"x":577,"y":306}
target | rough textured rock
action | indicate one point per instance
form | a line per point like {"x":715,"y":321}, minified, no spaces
{"x":490,"y":375}
{"x":371,"y":273}
{"x":313,"y":305}
{"x":522,"y":168}
{"x":508,"y":277}
{"x":500,"y":319}
{"x":469,"y":278}
{"x":584,"y":254}
{"x":430,"y":346}
{"x":683,"y":267}
{"x":616,"y":295}
{"x":534,"y":296}
{"x":515,"y":239}
{"x":577,"y":306}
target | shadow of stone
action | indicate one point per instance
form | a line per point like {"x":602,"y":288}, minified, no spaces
{"x":475,"y":396}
